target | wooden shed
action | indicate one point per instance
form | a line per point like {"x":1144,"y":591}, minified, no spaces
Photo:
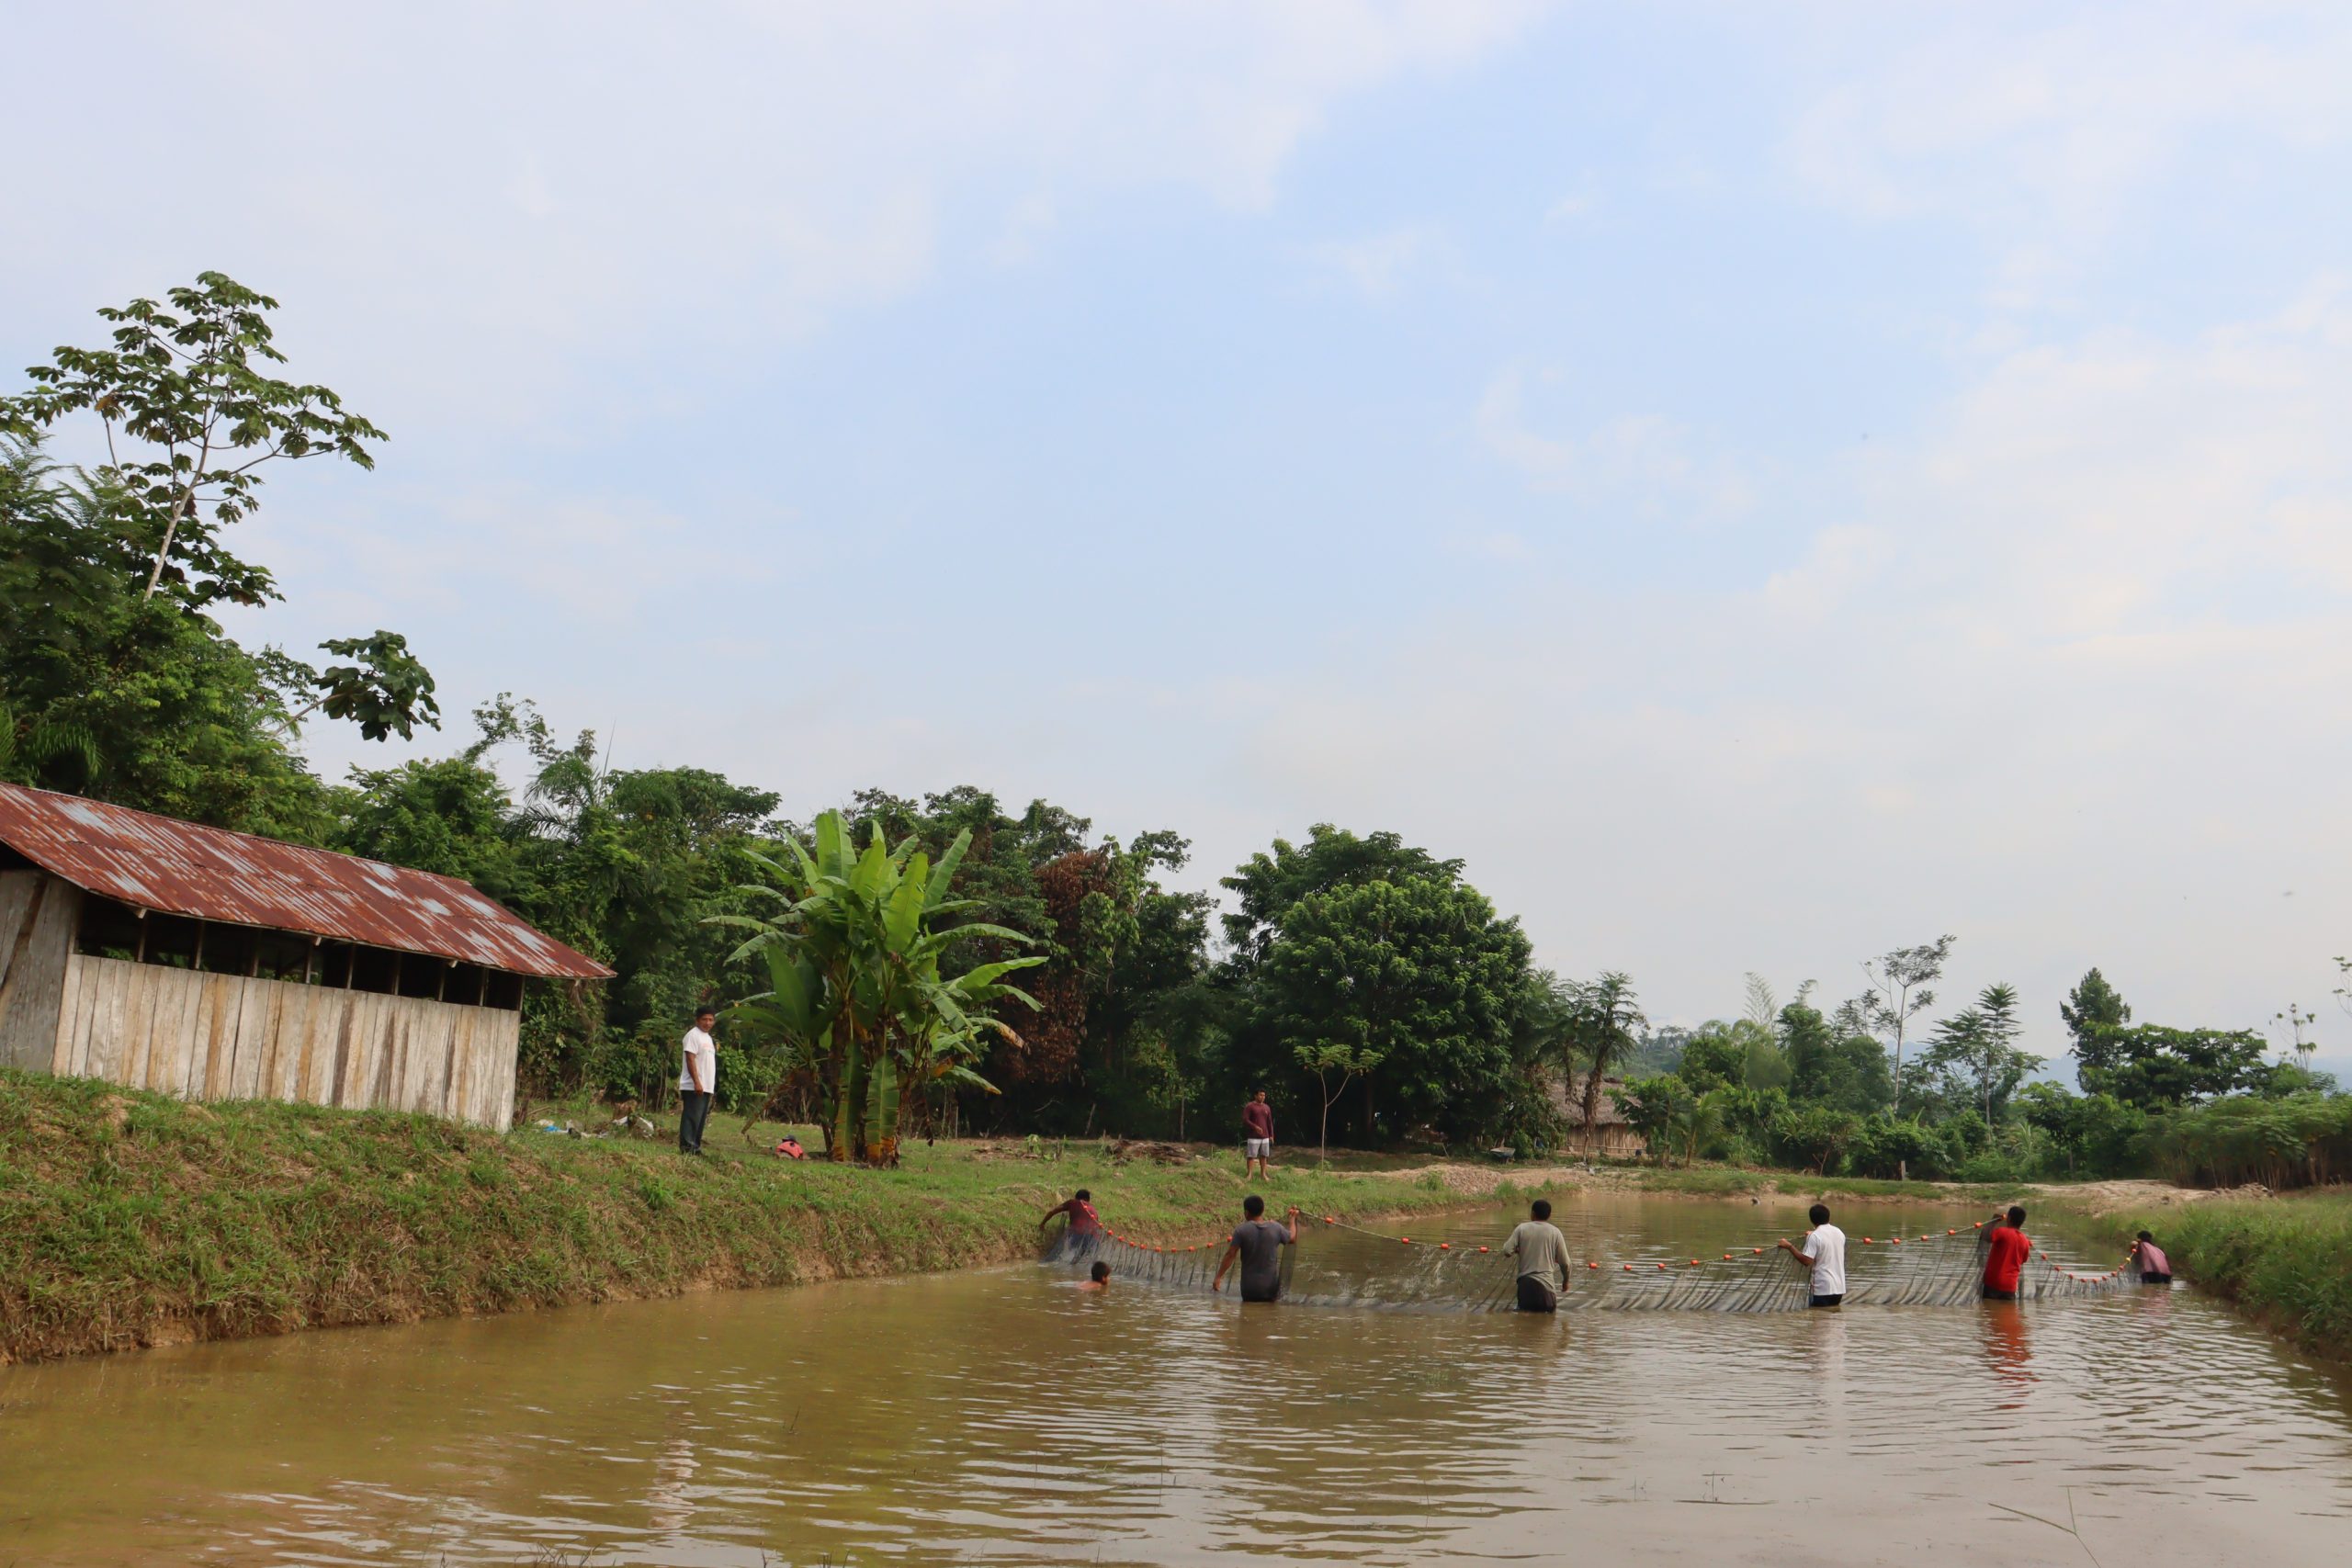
{"x":1615,"y":1136}
{"x":217,"y":965}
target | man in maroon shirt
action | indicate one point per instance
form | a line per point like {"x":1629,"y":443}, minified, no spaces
{"x":2006,"y":1248}
{"x":1257,"y":1134}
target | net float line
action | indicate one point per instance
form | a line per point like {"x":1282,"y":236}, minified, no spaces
{"x":1895,"y":1271}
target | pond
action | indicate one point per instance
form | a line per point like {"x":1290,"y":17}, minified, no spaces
{"x":1007,"y":1418}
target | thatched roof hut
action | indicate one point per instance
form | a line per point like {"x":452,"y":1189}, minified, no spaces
{"x":1613,"y":1133}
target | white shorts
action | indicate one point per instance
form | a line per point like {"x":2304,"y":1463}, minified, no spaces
{"x":1257,"y":1148}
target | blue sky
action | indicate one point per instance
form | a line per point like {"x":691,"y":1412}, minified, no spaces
{"x":1761,"y":485}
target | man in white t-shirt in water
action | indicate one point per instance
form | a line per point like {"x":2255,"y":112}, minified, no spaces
{"x":1822,"y":1256}
{"x":698,"y":1080}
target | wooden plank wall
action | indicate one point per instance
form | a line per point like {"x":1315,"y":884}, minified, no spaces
{"x":226,"y":1037}
{"x":38,"y":914}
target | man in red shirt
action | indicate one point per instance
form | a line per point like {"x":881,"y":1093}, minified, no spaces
{"x":1257,"y":1134}
{"x":2006,"y":1247}
{"x":1085,"y":1225}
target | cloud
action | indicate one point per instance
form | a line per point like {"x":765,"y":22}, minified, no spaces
{"x":1638,"y":461}
{"x":1376,"y":267}
{"x":532,"y":186}
{"x":2041,"y":129}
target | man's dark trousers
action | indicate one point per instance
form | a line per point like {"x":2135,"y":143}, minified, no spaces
{"x":694,"y":1110}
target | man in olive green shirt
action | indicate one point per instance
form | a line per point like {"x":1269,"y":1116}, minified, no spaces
{"x":1542,"y":1255}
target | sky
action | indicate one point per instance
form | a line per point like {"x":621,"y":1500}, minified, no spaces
{"x":1760,"y":485}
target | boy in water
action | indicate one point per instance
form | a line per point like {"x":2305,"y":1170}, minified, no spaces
{"x":1258,"y":1242}
{"x":1823,"y":1258}
{"x":2155,"y":1268}
{"x":1542,"y":1254}
{"x":1098,"y":1278}
{"x":2006,"y":1248}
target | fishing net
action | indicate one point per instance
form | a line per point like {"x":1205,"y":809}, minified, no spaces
{"x":1929,"y":1269}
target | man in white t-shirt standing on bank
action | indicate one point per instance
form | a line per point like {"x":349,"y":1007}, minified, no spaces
{"x":1823,"y":1256}
{"x":698,"y":1080}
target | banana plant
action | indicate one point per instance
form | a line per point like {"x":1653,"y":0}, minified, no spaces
{"x":859,"y":987}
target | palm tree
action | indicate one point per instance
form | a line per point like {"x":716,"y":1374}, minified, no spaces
{"x":857,"y":992}
{"x":1602,"y":1018}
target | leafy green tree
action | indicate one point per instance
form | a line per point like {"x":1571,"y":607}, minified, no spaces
{"x":1273,"y":881}
{"x":2091,"y":1009}
{"x":1335,"y":1064}
{"x":1816,"y":1136}
{"x":1659,"y":1108}
{"x":1832,"y":1066}
{"x":2150,"y":1067}
{"x":1422,"y":974}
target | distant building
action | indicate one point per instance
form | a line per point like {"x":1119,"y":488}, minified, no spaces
{"x":1615,"y":1138}
{"x":217,"y":965}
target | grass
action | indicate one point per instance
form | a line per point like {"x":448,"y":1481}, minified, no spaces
{"x":2286,"y":1261}
{"x":129,"y":1219}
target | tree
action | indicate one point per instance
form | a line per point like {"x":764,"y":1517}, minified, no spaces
{"x":2090,"y":1008}
{"x":858,"y":985}
{"x":190,"y":416}
{"x":1350,"y":1060}
{"x":1898,"y":992}
{"x":2298,"y":1023}
{"x":2150,"y":1067}
{"x":1832,"y":1065}
{"x":1975,"y":1052}
{"x":1422,"y":974}
{"x":1603,"y":1028}
{"x":1271,"y":882}
{"x":1658,"y":1107}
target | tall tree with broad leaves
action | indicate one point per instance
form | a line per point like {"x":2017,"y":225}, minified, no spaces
{"x":191,"y":415}
{"x":860,"y":985}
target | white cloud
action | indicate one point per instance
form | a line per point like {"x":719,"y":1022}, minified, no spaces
{"x":1641,"y":462}
{"x":1378,"y":266}
{"x":527,"y":185}
{"x":2039,"y":128}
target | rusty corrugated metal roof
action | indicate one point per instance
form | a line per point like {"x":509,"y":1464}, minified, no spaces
{"x":184,"y":868}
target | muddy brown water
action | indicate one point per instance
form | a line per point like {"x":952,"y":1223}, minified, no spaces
{"x":1006,"y":1417}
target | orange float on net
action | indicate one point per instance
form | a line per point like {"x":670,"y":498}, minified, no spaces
{"x":1726,"y":1256}
{"x":1406,"y":1240}
{"x":1979,"y":1226}
{"x":1758,"y":1250}
{"x":1661,"y":1267}
{"x":1629,"y":1268}
{"x":1694,"y":1263}
{"x":1866,"y":1241}
{"x":1592,"y":1265}
{"x":1482,"y":1249}
{"x":1445,"y":1246}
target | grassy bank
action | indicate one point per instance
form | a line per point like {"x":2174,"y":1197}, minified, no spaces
{"x":129,"y":1219}
{"x":2286,"y":1261}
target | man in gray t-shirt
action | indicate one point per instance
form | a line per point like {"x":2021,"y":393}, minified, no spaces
{"x":1258,"y":1242}
{"x":1542,"y":1254}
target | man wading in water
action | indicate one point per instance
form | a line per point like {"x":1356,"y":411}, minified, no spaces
{"x":1257,"y":1134}
{"x":1542,"y":1255}
{"x":1823,"y":1256}
{"x":1259,"y":1243}
{"x":2006,"y":1247}
{"x":698,"y":1080}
